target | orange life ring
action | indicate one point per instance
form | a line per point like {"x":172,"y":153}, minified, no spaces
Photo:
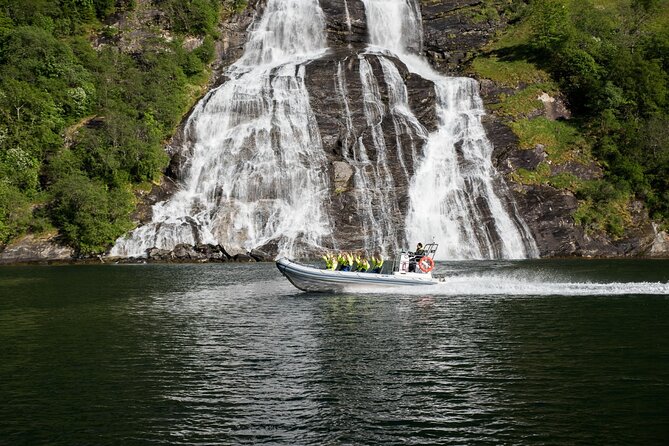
{"x":423,"y":267}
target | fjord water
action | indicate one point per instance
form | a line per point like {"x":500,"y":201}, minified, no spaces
{"x":530,"y":352}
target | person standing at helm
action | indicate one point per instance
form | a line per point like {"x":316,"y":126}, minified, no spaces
{"x":420,"y":252}
{"x":415,"y":258}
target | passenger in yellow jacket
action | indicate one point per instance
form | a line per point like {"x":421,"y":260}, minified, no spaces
{"x":377,"y":264}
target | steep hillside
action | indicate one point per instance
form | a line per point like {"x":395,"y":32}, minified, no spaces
{"x":93,"y":97}
{"x":582,"y":87}
{"x":89,"y":94}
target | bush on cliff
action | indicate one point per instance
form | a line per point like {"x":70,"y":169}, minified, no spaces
{"x":90,"y":214}
{"x":80,"y":127}
{"x":612,"y":62}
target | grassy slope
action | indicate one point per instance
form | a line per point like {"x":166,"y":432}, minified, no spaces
{"x":506,"y":62}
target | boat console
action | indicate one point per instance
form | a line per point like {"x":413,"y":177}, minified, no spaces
{"x":408,"y":262}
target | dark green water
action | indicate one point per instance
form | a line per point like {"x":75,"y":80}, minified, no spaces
{"x":541,"y":352}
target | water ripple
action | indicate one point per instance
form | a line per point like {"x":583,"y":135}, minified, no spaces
{"x":229,"y":354}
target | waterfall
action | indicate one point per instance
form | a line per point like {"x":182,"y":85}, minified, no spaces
{"x":404,"y":121}
{"x":456,"y":193}
{"x":257,"y":170}
{"x":375,"y":189}
{"x":257,"y":174}
{"x":348,"y":19}
{"x":456,"y":196}
{"x":394,"y":25}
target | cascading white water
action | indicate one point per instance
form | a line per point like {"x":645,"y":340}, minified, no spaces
{"x":348,"y":19}
{"x":404,"y":121}
{"x":375,"y":189}
{"x":257,"y":167}
{"x":256,"y":171}
{"x":453,"y":196}
{"x":394,"y":25}
{"x":456,"y":194}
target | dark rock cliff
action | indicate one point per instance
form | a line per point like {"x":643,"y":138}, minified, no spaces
{"x":454,"y":32}
{"x":338,"y":141}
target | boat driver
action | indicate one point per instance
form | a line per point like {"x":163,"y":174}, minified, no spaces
{"x":415,"y":258}
{"x":420,"y":252}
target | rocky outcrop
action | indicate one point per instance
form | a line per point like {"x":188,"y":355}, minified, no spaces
{"x":188,"y":253}
{"x":455,"y":30}
{"x":36,"y":249}
{"x":549,"y":211}
{"x":183,"y":253}
{"x":660,"y":244}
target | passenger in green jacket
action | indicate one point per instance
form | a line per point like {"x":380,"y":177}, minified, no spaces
{"x":361,"y":263}
{"x":346,"y":262}
{"x":357,"y":263}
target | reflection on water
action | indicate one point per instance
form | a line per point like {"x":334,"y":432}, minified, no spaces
{"x":227,"y":354}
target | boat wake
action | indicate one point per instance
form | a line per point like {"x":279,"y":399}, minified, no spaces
{"x":497,"y":284}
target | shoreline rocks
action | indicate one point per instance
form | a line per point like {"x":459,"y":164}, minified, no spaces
{"x":46,"y":250}
{"x":36,"y":249}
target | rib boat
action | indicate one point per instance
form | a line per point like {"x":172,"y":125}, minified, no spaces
{"x":408,"y":270}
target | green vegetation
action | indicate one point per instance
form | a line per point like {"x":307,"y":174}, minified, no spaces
{"x":561,"y":140}
{"x":610,"y":58}
{"x":524,"y":102}
{"x":603,"y":207}
{"x":82,"y":127}
{"x":512,"y":73}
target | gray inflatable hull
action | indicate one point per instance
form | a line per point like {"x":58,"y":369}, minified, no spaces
{"x":307,"y":278}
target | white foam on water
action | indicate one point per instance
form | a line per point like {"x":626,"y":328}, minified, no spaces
{"x":524,"y":285}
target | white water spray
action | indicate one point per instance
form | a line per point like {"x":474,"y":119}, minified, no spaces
{"x":525,"y":286}
{"x":257,"y":167}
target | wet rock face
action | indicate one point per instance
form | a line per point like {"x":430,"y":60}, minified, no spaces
{"x":453,"y":32}
{"x":35,"y":249}
{"x":337,"y":97}
{"x":660,"y":245}
{"x":329,"y":107}
{"x":346,"y":24}
{"x":452,"y":35}
{"x":548,"y":212}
